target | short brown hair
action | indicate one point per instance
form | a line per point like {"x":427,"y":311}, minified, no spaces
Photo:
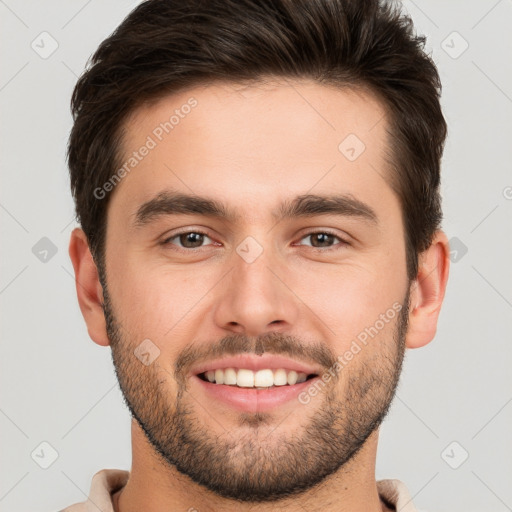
{"x":165,"y":46}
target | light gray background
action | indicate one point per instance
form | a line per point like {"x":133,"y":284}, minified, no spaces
{"x":58,"y":387}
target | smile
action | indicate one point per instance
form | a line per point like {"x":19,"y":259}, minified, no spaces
{"x":261,"y":379}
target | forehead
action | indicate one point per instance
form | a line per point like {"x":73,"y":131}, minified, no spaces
{"x":251,"y":144}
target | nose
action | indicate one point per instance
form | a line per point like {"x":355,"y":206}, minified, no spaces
{"x":255,"y":298}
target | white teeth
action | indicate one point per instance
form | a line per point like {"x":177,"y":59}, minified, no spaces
{"x":264,"y":378}
{"x":230,"y":376}
{"x":244,"y":378}
{"x":260,"y":379}
{"x":292,"y":378}
{"x":280,"y":377}
{"x":219,"y":376}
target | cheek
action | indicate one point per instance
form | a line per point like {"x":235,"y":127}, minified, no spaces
{"x":349,"y":297}
{"x":157,"y":302}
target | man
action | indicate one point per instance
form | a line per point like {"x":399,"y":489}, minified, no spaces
{"x":257,"y":183}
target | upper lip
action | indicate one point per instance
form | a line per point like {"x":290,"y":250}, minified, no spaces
{"x":255,"y":363}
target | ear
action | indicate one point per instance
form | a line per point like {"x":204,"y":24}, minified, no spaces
{"x":427,"y":292}
{"x":88,"y":287}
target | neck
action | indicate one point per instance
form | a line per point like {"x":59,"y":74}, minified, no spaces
{"x":154,"y":486}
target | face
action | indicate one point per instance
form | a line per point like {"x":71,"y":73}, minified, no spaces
{"x":254,"y":244}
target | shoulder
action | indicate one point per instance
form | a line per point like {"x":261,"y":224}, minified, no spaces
{"x":395,"y":492}
{"x":103,"y":484}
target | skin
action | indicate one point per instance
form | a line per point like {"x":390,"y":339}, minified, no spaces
{"x":252,"y":147}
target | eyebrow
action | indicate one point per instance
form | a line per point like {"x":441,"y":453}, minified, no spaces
{"x":308,"y":205}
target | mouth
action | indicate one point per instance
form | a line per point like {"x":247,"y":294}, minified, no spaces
{"x":261,"y":379}
{"x":254,"y":383}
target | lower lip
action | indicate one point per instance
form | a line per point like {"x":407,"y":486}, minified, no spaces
{"x":252,"y":399}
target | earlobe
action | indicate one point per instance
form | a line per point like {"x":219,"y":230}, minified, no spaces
{"x":427,"y":292}
{"x":88,"y":287}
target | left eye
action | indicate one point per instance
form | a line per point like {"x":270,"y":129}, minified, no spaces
{"x":188,"y":240}
{"x":322,"y":239}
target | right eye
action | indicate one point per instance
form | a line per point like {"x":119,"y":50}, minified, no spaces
{"x":187,"y":239}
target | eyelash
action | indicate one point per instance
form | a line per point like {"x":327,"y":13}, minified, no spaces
{"x":342,"y":242}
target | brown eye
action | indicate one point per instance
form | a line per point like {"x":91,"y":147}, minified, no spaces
{"x":323,"y":239}
{"x":188,"y":240}
{"x":191,"y":240}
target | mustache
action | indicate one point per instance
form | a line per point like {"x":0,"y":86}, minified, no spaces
{"x":271,"y":343}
